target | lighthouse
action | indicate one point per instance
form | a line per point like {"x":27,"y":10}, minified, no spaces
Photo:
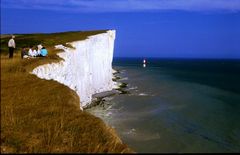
{"x":144,"y":63}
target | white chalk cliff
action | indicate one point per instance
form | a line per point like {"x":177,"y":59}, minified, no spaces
{"x":87,"y":69}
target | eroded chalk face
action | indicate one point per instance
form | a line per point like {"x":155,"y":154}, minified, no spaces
{"x":87,"y":69}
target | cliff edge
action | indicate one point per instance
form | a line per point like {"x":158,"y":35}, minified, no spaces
{"x":43,"y":116}
{"x":86,"y":68}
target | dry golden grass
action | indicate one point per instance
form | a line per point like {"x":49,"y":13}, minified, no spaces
{"x":41,"y":116}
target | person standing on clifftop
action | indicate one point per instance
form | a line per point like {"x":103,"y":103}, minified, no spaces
{"x":11,"y":46}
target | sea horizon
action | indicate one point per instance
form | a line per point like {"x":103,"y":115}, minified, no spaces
{"x":176,"y":105}
{"x":180,"y":58}
{"x":120,"y":76}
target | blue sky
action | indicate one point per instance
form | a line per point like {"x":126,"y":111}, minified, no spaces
{"x":145,"y":28}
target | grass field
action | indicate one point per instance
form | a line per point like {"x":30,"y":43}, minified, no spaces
{"x":40,"y":116}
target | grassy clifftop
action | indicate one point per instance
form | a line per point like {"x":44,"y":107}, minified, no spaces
{"x":43,"y":116}
{"x":47,"y":40}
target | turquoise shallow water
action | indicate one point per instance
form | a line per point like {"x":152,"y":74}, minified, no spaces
{"x":176,"y":105}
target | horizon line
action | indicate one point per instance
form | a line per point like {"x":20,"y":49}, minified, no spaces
{"x":149,"y":57}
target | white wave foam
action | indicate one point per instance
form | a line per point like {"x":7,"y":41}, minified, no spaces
{"x":133,"y":88}
{"x":109,"y":113}
{"x":126,"y":78}
{"x":143,"y":94}
{"x":131,"y":131}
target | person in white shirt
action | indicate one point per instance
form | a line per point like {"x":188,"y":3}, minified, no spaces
{"x":30,"y":52}
{"x":11,"y":46}
{"x":39,"y":47}
{"x":35,"y":52}
{"x":38,"y":52}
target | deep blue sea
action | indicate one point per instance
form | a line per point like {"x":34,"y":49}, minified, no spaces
{"x":176,"y":105}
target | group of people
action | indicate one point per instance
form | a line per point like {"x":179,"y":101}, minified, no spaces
{"x":38,"y":51}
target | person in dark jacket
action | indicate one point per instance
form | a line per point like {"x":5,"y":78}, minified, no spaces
{"x":24,"y":53}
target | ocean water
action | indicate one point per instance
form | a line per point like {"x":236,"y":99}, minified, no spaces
{"x":176,"y":105}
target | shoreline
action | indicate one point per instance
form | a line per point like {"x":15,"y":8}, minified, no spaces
{"x":53,"y":123}
{"x":119,"y":88}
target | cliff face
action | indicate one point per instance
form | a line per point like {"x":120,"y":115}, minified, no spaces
{"x":87,"y":68}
